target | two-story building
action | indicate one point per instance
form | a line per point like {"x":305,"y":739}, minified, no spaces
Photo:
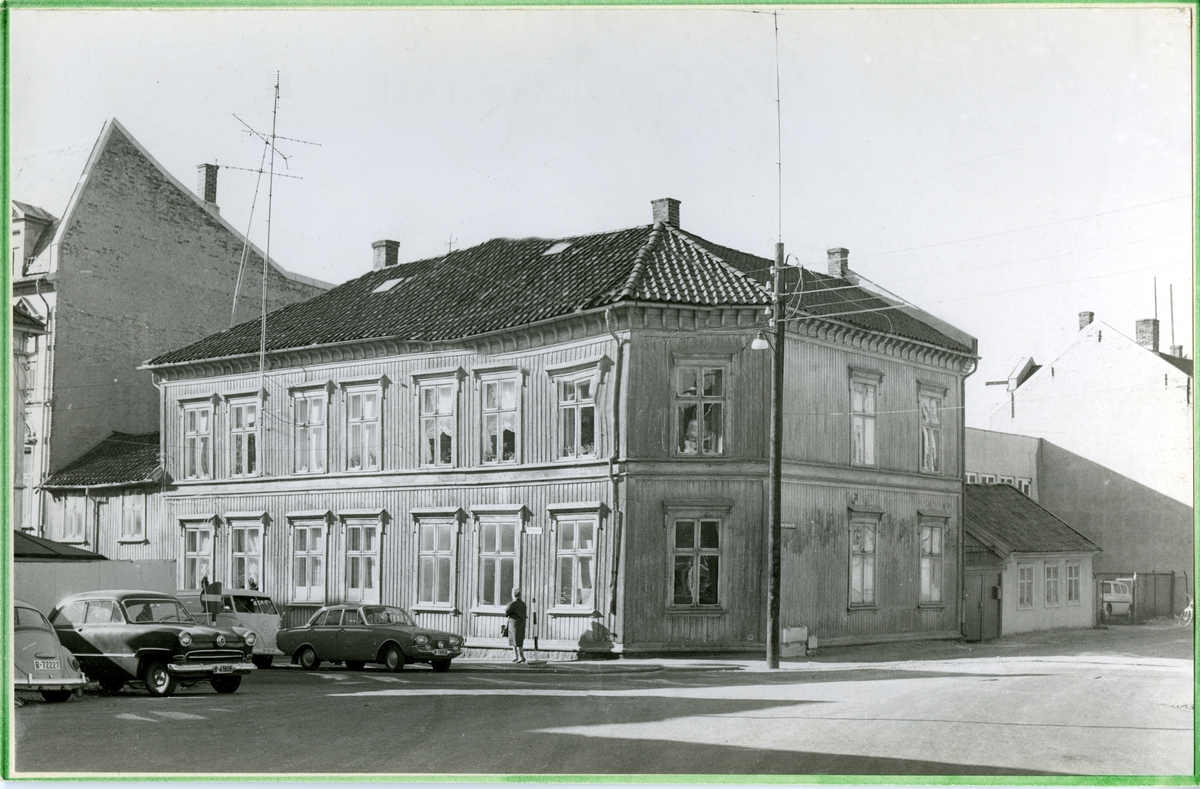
{"x":583,"y":418}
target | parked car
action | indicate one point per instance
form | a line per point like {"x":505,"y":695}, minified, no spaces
{"x":358,"y":635}
{"x":42,"y":663}
{"x":244,"y":608}
{"x":123,"y":635}
{"x":1116,"y":598}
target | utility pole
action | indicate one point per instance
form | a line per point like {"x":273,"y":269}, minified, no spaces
{"x":775,"y":529}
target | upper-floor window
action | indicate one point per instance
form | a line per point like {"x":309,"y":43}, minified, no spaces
{"x":501,"y":420}
{"x":1008,"y":481}
{"x":862,"y":561}
{"x":696,"y":561}
{"x":987,"y":479}
{"x":438,"y":420}
{"x":864,"y":389}
{"x":931,"y":562}
{"x":577,"y":417}
{"x":133,"y":517}
{"x":700,"y":410}
{"x":197,"y":441}
{"x":243,"y":438}
{"x":1025,"y":485}
{"x":309,"y":436}
{"x":308,"y":561}
{"x":363,"y":434}
{"x":245,"y":555}
{"x":931,"y":432}
{"x":197,"y":556}
{"x":972,"y":477}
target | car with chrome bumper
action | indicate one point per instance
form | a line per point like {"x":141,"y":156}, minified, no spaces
{"x":361,"y":634}
{"x":41,"y":663}
{"x":239,"y":608}
{"x":120,"y":636}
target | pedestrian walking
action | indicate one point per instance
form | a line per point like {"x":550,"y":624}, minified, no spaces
{"x":515,"y":613}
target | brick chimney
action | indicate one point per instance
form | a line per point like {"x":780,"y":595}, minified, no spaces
{"x":1147,"y":334}
{"x":206,"y":184}
{"x":385,"y":253}
{"x":1085,"y":319}
{"x":839,"y":262}
{"x":1177,"y":351}
{"x":666,"y":210}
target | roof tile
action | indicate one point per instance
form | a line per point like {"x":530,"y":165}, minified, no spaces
{"x":120,"y":458}
{"x":1020,"y":523}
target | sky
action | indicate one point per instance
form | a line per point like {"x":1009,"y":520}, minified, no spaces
{"x":1003,"y":168}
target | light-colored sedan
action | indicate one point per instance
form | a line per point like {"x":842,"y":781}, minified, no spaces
{"x":42,"y":663}
{"x":357,"y":635}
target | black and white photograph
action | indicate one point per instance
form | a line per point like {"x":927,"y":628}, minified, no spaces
{"x":612,"y":393}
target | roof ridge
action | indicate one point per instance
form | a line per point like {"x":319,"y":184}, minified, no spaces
{"x":639,"y":263}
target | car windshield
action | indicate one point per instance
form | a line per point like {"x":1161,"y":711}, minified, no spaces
{"x":253,"y":605}
{"x":156,"y":611}
{"x":386,"y":615}
{"x":27,"y":617}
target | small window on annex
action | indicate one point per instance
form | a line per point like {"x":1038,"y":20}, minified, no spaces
{"x":133,"y":517}
{"x":700,"y":409}
{"x":1052,"y":591}
{"x":1073,"y":582}
{"x":1025,"y":586}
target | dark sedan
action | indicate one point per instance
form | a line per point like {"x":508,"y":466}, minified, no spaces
{"x":357,"y":635}
{"x":123,"y":635}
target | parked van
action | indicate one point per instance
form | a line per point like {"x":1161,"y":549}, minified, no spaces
{"x":242,"y":608}
{"x":1116,"y":598}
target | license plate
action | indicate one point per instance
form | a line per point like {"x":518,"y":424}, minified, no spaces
{"x":47,"y":665}
{"x":223,"y":668}
{"x":441,"y":652}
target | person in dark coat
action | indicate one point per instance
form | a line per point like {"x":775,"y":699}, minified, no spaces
{"x":515,"y":614}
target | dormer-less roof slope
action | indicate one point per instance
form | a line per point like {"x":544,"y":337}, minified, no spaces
{"x":1179,"y":362}
{"x":120,"y":459}
{"x":506,"y":283}
{"x":1007,"y":521}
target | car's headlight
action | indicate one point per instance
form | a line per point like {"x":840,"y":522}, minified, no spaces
{"x":455,"y":641}
{"x":185,"y":638}
{"x":421,"y":639}
{"x":74,"y":663}
{"x":251,"y":638}
{"x":221,"y":641}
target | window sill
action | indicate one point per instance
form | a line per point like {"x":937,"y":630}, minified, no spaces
{"x":308,"y":473}
{"x":573,"y":458}
{"x":572,"y":612}
{"x":868,"y":607}
{"x":133,"y":541}
{"x":487,"y":610}
{"x":715,"y":610}
{"x":931,"y":606}
{"x":436,"y":609}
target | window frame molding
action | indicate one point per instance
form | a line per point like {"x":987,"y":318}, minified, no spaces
{"x":329,"y":388}
{"x":308,"y":519}
{"x":694,"y":509}
{"x":1078,"y":565}
{"x":725,"y":362}
{"x":457,"y":516}
{"x":1057,"y":586}
{"x":1032,"y":587}
{"x":239,"y":519}
{"x":575,"y":510}
{"x":874,"y":518}
{"x":941,"y":523}
{"x":594,"y":369}
{"x":435,"y":377}
{"x":376,"y":517}
{"x":127,"y":495}
{"x":351,"y":386}
{"x":232,"y":399}
{"x":926,"y":389}
{"x":188,"y":521}
{"x":499,"y":512}
{"x":493,"y":373}
{"x":213,"y":401}
{"x":873,"y":378}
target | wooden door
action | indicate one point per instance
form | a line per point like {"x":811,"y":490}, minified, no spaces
{"x":981,"y":601}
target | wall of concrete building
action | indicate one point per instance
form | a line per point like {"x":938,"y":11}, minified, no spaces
{"x":1002,"y":455}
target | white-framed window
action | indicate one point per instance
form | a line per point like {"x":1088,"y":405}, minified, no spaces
{"x":67,"y":517}
{"x":1074,"y":576}
{"x":575,"y":561}
{"x":437,"y":408}
{"x":1025,"y":485}
{"x":498,"y":540}
{"x":987,"y":479}
{"x":245,"y":554}
{"x":863,"y":531}
{"x":308,"y":560}
{"x":133,"y":517}
{"x":972,"y":478}
{"x":1052,"y":591}
{"x":577,"y":417}
{"x":197,"y":555}
{"x":500,"y":419}
{"x":437,"y":562}
{"x":197,"y":440}
{"x":310,"y":448}
{"x":930,"y":407}
{"x":243,"y":437}
{"x":362,"y":560}
{"x":700,"y":409}
{"x":932,"y":534}
{"x":1025,"y":586}
{"x":695,"y":561}
{"x":1008,"y":481}
{"x":864,"y":392}
{"x":364,"y":431}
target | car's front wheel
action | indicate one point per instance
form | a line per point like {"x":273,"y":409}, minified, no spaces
{"x":308,"y":659}
{"x":262,"y":661}
{"x":393,"y":658}
{"x":225,"y":684}
{"x":158,"y":680}
{"x":56,"y":695}
{"x":440,"y":665}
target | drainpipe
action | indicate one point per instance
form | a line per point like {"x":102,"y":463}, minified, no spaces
{"x":614,"y":459}
{"x":972,"y":366}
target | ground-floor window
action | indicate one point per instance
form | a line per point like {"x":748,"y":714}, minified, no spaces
{"x":362,"y":562}
{"x":497,"y":560}
{"x":245,"y":560}
{"x":575,"y":562}
{"x":931,"y":562}
{"x":1052,"y":593}
{"x":435,"y":561}
{"x":308,"y":562}
{"x":1025,"y":586}
{"x":862,"y":561}
{"x":696,"y":570}
{"x":1073,"y":582}
{"x":197,"y":556}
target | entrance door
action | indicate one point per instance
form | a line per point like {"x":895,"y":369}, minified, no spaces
{"x":981,"y":601}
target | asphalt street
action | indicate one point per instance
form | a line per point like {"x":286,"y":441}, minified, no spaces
{"x":1116,"y":702}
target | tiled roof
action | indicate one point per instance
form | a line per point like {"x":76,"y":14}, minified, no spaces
{"x":27,"y":546}
{"x":507,"y":283}
{"x":21,"y":319}
{"x":1182,"y":362}
{"x":122,"y":458}
{"x":1005,"y":519}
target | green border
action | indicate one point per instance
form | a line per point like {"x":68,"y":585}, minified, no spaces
{"x":7,"y":740}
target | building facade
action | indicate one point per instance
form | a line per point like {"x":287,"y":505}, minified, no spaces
{"x":583,"y":418}
{"x":119,"y":262}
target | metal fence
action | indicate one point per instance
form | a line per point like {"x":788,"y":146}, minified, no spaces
{"x":1154,"y":594}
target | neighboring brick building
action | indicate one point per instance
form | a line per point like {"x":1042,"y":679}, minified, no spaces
{"x":585,"y":418}
{"x":120,"y":262}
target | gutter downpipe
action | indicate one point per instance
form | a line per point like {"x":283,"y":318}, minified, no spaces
{"x":962,"y":489}
{"x":614,"y":459}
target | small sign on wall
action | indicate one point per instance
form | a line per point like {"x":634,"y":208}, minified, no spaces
{"x":533,"y":529}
